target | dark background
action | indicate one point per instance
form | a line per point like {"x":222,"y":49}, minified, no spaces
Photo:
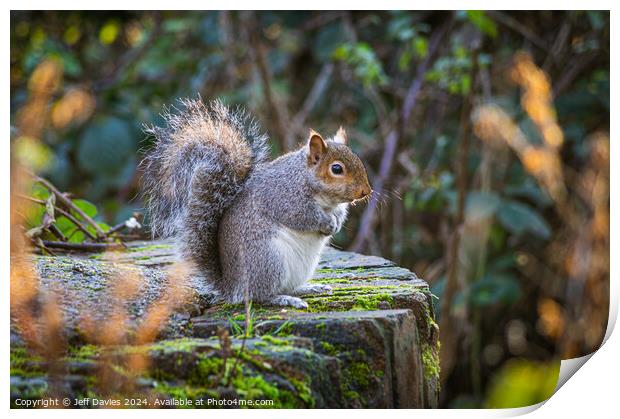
{"x":527,"y":267}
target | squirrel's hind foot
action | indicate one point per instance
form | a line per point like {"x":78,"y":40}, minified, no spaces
{"x":310,"y":289}
{"x":288,"y":301}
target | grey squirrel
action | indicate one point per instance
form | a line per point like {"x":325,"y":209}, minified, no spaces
{"x":241,"y":219}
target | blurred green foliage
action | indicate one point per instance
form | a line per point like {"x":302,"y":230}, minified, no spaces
{"x":523,"y":383}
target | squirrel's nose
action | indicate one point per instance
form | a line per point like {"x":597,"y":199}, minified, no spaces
{"x":365,"y":191}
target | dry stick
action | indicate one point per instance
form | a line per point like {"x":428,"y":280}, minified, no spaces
{"x":39,"y":243}
{"x":86,"y":247}
{"x":64,"y":213}
{"x":391,"y":142}
{"x":321,"y":20}
{"x":67,"y":202}
{"x":581,"y":63}
{"x":447,"y":332}
{"x":226,"y":38}
{"x":557,"y":46}
{"x":116,"y":228}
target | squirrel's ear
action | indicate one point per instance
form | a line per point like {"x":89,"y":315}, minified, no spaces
{"x":341,"y":136}
{"x":316,"y":147}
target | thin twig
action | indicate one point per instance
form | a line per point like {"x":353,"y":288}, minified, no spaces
{"x":391,"y":142}
{"x":448,"y":335}
{"x":580,"y":63}
{"x":63,"y":213}
{"x":56,"y":232}
{"x":39,"y":243}
{"x":116,"y":228}
{"x":257,"y":56}
{"x":69,"y":204}
{"x":517,"y":26}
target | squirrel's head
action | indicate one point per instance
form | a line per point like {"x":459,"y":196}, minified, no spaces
{"x":340,"y":172}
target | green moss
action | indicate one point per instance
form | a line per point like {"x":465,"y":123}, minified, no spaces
{"x":303,"y":391}
{"x":365,"y":289}
{"x":430,"y":352}
{"x":329,"y":348}
{"x":352,"y":395}
{"x":285,"y":329}
{"x":430,"y":320}
{"x":225,"y":311}
{"x":339,"y":270}
{"x":331,"y":281}
{"x":83,"y":352}
{"x":371,"y":302}
{"x":355,"y":379}
{"x":275,"y":341}
{"x":352,"y":298}
{"x":203,"y":370}
{"x":257,"y":388}
{"x":24,"y":364}
{"x":359,"y":373}
{"x":31,"y":391}
{"x":182,"y":344}
{"x":256,"y":359}
{"x":430,"y":361}
{"x":247,"y":382}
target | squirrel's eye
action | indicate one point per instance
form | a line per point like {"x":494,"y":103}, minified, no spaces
{"x":337,"y":169}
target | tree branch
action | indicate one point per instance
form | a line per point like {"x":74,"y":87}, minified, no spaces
{"x":257,"y":56}
{"x":70,"y":205}
{"x":63,"y":213}
{"x":517,"y":26}
{"x":392,"y":139}
{"x":448,"y":334}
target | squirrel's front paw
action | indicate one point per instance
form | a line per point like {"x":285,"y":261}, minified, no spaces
{"x":288,"y":301}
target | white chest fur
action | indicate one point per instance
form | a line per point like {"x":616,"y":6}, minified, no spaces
{"x":300,"y":252}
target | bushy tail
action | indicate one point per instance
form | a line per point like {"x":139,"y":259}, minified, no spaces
{"x":200,"y":160}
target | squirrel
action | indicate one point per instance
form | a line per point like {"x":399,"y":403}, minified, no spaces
{"x":253,"y":228}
